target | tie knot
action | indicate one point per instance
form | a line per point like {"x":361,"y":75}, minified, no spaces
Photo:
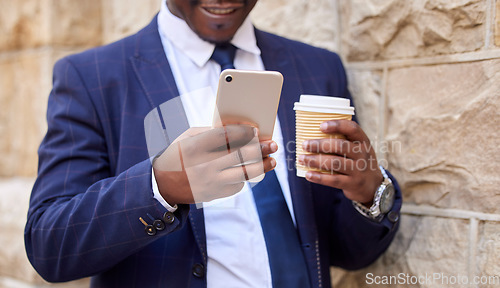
{"x":224,"y":56}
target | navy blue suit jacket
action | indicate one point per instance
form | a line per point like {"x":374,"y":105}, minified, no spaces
{"x":94,"y":177}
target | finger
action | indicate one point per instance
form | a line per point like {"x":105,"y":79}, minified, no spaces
{"x":245,"y":172}
{"x":188,"y":153}
{"x":237,"y":136}
{"x":350,"y":129}
{"x":215,"y":143}
{"x":250,"y":153}
{"x":222,"y":138}
{"x":341,"y":147}
{"x":257,"y":169}
{"x":328,"y":162}
{"x":269,"y":164}
{"x":268,"y":147}
{"x":338,"y":181}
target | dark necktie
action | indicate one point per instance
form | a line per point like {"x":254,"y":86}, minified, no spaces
{"x":286,"y":259}
{"x":224,"y":56}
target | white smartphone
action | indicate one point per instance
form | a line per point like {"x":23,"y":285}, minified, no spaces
{"x":249,"y":96}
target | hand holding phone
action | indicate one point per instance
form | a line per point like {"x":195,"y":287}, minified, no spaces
{"x":245,"y":96}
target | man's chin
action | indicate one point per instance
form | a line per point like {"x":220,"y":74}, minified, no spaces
{"x":216,"y":40}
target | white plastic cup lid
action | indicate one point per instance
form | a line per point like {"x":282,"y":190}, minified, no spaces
{"x":324,"y":104}
{"x":325,"y":100}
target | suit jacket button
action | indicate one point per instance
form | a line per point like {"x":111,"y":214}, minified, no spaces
{"x":393,"y":216}
{"x":150,"y":230}
{"x":198,"y":270}
{"x":169,"y":217}
{"x":159,"y":225}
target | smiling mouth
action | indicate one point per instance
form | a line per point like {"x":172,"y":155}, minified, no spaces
{"x":220,"y":11}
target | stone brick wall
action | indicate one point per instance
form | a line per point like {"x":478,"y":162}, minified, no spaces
{"x":35,"y":33}
{"x":425,"y":75}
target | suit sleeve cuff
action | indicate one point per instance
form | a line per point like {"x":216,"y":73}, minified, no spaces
{"x":392,"y":215}
{"x":157,"y":195}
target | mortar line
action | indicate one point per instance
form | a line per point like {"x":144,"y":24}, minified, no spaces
{"x":382,"y":113}
{"x":427,"y":61}
{"x":425,"y":210}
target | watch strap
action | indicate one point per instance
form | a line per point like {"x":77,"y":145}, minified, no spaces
{"x":367,"y":212}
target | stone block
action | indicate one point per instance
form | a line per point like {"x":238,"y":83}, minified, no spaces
{"x":497,"y":24}
{"x":36,"y":23}
{"x":423,"y":246}
{"x":374,"y":30}
{"x":439,"y":246}
{"x":314,"y":22}
{"x":76,"y":23}
{"x":14,"y":206}
{"x":442,"y":118}
{"x":488,"y":253}
{"x":23,"y":24}
{"x":125,"y":17}
{"x":366,"y":88}
{"x":26,"y":83}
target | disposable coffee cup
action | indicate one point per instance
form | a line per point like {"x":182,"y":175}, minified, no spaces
{"x":310,"y":112}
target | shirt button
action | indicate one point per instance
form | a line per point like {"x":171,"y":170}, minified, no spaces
{"x":393,"y":216}
{"x":198,"y":270}
{"x":169,"y":217}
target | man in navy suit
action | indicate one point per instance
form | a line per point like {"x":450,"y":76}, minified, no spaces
{"x":100,"y":207}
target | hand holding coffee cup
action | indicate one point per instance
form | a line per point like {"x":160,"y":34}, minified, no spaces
{"x":310,"y":113}
{"x":334,"y":151}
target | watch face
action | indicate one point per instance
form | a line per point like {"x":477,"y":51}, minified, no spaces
{"x":387,"y":199}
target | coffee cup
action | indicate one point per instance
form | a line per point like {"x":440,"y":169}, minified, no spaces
{"x":310,"y":112}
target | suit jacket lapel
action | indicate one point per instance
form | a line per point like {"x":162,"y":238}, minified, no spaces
{"x":276,"y":57}
{"x":152,"y":68}
{"x":155,"y":76}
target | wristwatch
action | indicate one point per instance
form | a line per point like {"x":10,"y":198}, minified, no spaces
{"x":382,"y":201}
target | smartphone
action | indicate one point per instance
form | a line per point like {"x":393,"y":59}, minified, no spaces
{"x":249,"y":96}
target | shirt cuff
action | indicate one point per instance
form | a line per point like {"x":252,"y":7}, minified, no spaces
{"x":157,"y":195}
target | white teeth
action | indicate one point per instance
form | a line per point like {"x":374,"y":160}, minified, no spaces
{"x":220,"y":11}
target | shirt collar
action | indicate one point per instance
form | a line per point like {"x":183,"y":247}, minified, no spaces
{"x":199,"y":51}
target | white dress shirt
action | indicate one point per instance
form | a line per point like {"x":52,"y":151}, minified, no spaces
{"x":237,"y":255}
